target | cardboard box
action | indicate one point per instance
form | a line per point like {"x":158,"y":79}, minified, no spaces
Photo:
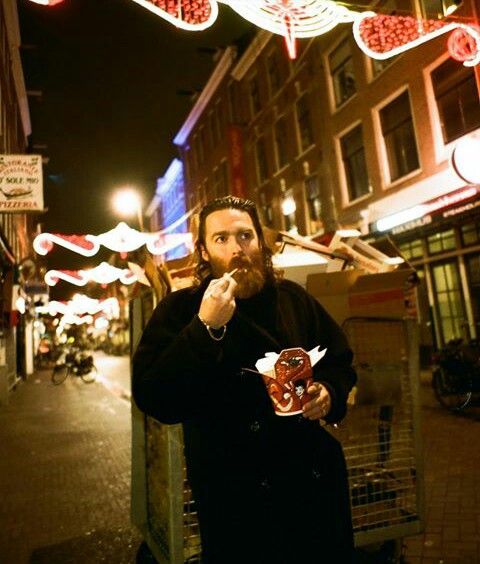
{"x":352,"y":293}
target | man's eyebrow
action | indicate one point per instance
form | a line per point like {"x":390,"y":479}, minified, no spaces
{"x":226,"y":232}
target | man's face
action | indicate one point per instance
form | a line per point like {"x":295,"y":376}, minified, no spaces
{"x":232,"y":242}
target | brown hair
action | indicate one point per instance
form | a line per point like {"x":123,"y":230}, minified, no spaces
{"x":202,"y":268}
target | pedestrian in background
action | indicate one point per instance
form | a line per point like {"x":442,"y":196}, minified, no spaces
{"x":268,"y":489}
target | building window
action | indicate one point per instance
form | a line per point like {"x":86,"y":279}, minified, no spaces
{"x":443,"y":241}
{"x":261,"y":160}
{"x":457,"y":99}
{"x":399,"y":136}
{"x":411,"y":249}
{"x":281,"y":139}
{"x":304,"y":122}
{"x":341,"y":71}
{"x":470,"y":234}
{"x":254,"y":95}
{"x":217,"y":121}
{"x":449,"y":300}
{"x":233,"y":103}
{"x":379,"y":65}
{"x":314,"y":203}
{"x":353,"y":156}
{"x":273,"y":73}
{"x":266,"y":209}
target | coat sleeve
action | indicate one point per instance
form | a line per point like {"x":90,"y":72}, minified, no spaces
{"x":335,"y":370}
{"x":174,"y":366}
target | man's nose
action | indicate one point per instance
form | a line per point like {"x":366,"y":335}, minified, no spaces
{"x":235,"y":246}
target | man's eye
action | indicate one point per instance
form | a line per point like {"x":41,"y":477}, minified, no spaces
{"x":246,"y":236}
{"x":220,"y":239}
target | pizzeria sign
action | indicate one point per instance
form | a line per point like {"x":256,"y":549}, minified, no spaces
{"x":21,"y":183}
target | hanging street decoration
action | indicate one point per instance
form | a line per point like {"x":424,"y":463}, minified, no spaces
{"x":122,"y":239}
{"x":82,"y":304}
{"x":103,"y":274}
{"x":47,"y":2}
{"x":379,"y":36}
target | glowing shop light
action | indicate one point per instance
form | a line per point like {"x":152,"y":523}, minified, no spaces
{"x":101,"y":323}
{"x":466,"y":157}
{"x":416,"y":212}
{"x":288,"y":206}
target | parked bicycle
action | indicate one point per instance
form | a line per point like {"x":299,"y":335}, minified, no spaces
{"x":456,"y":377}
{"x":75,"y":362}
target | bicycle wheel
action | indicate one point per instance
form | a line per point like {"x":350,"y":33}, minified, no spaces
{"x":452,"y":391}
{"x":91,"y":376}
{"x":59,"y":374}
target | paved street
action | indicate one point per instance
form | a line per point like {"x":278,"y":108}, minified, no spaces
{"x":65,"y":473}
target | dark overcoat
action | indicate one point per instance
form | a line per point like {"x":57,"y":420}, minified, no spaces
{"x":268,"y":489}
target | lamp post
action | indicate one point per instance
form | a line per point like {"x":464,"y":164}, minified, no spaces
{"x":127,"y":202}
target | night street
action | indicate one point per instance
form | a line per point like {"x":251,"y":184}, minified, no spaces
{"x":71,"y":445}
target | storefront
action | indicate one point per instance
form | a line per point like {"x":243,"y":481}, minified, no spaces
{"x":8,"y":352}
{"x":441,"y":239}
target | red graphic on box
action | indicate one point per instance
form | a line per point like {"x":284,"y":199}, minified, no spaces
{"x":293,"y":376}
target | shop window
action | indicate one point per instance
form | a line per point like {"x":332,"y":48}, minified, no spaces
{"x":399,"y":136}
{"x":281,"y":138}
{"x":470,"y":234}
{"x":233,"y":104}
{"x":314,"y":203}
{"x":342,"y":73}
{"x":261,"y":160}
{"x":304,"y":122}
{"x":449,"y":300}
{"x":273,"y":73}
{"x":443,"y":241}
{"x":353,"y":156}
{"x":266,"y":209}
{"x":472,"y":263}
{"x":457,"y":99}
{"x":411,"y":249}
{"x":254,"y":94}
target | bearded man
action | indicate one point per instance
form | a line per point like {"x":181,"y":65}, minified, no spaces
{"x":268,"y":489}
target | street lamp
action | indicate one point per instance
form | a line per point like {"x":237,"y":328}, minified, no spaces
{"x":127,"y":202}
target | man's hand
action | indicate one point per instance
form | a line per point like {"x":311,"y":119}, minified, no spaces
{"x":218,"y":303}
{"x":320,"y":405}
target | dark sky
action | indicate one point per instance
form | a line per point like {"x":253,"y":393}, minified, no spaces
{"x":109,"y":71}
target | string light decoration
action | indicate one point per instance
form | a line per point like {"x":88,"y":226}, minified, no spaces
{"x":379,"y":36}
{"x":103,"y":274}
{"x":122,"y":239}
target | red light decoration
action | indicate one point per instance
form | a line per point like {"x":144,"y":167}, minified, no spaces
{"x":381,"y":36}
{"x":462,"y":46}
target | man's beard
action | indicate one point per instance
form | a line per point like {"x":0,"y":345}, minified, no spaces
{"x":250,"y":276}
